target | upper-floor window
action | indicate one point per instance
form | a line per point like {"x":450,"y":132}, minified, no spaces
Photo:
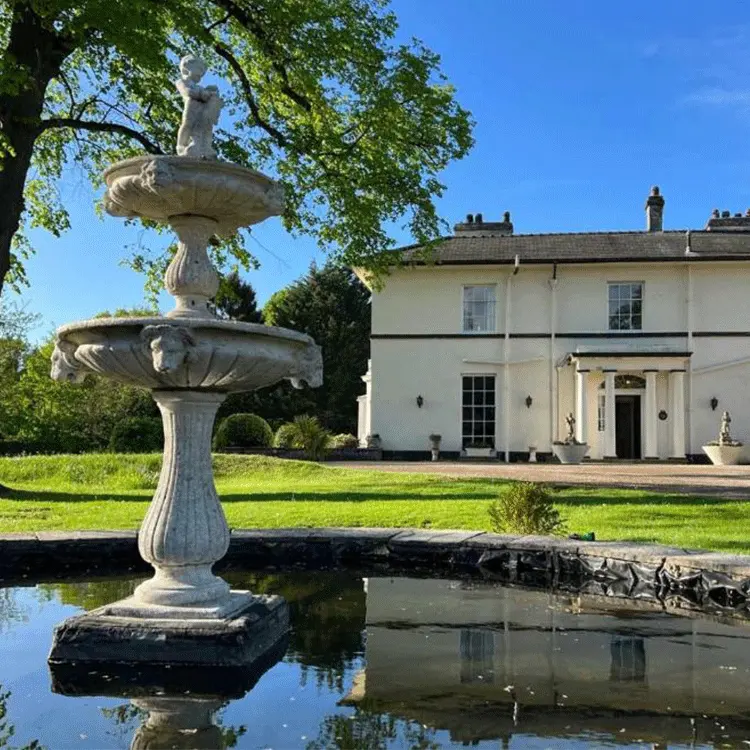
{"x":479,"y":309}
{"x":626,"y":306}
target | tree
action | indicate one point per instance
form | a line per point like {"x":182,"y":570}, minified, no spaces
{"x":317,"y":93}
{"x":333,"y":306}
{"x":236,"y":300}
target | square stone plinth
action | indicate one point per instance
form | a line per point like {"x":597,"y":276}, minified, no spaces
{"x":235,"y":640}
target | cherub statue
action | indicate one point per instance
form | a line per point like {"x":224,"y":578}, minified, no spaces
{"x":725,"y":438}
{"x":570,"y":420}
{"x":201,"y":112}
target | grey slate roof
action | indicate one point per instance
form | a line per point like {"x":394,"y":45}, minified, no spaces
{"x":590,"y":247}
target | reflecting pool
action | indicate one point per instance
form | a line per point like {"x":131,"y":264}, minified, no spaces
{"x":393,"y":662}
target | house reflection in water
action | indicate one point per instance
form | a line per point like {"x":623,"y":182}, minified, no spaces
{"x":486,"y":662}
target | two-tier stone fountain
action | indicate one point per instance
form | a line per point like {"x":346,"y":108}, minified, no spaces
{"x":190,"y":360}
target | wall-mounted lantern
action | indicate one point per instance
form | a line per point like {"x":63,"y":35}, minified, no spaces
{"x":529,"y":402}
{"x":714,"y":403}
{"x":420,"y":401}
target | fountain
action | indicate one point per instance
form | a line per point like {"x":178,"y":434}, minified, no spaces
{"x":190,"y":360}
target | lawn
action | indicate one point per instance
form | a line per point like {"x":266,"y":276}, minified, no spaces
{"x":112,"y":492}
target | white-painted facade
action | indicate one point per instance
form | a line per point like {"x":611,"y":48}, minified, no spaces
{"x":551,"y":351}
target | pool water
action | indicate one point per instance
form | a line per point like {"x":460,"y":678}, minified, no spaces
{"x":395,"y":662}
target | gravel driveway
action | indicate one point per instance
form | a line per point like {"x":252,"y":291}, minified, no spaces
{"x":731,"y":482}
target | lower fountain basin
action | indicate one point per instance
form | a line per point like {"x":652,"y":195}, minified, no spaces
{"x":194,"y":353}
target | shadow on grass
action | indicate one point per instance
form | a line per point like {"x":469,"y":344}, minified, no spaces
{"x":600,"y":498}
{"x":42,"y":496}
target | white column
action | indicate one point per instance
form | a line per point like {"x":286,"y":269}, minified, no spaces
{"x":582,"y":411}
{"x":651,"y":450}
{"x":610,"y":446}
{"x":677,"y":407}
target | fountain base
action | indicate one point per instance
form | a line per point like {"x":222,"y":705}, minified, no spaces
{"x":236,"y":634}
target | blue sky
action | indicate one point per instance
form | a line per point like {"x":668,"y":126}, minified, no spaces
{"x":580,"y":107}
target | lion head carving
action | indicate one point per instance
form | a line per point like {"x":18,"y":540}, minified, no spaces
{"x":168,"y":345}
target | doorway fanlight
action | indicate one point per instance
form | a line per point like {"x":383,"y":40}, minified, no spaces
{"x":628,"y":382}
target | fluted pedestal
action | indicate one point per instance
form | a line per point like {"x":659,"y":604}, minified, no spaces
{"x":184,"y":614}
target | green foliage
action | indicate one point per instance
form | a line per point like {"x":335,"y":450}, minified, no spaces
{"x":285,"y":436}
{"x":137,"y":435}
{"x":356,"y":125}
{"x":307,"y":434}
{"x":525,"y":508}
{"x":236,"y":300}
{"x":344,"y":440}
{"x":243,"y":431}
{"x":59,"y":417}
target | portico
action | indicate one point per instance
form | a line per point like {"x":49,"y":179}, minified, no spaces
{"x":631,"y":406}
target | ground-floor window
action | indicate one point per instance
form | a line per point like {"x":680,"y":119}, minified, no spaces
{"x":478,"y":406}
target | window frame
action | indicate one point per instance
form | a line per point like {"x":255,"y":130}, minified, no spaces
{"x":630,"y":300}
{"x":493,"y":321}
{"x":487,"y":437}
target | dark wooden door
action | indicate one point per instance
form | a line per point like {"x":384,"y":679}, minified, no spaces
{"x":628,"y":426}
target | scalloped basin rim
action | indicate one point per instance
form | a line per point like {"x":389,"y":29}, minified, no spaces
{"x":225,"y":326}
{"x":134,"y":164}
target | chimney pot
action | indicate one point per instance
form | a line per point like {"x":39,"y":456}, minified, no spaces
{"x":506,"y":217}
{"x":715,"y":213}
{"x":478,"y":218}
{"x":469,"y":218}
{"x":725,"y":214}
{"x":655,"y":211}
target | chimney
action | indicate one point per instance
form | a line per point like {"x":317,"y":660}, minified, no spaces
{"x":476,"y":226}
{"x":655,"y":211}
{"x":724,"y":221}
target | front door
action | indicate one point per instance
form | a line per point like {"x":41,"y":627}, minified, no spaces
{"x":628,"y":426}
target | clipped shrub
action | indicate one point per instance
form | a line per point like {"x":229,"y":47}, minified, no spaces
{"x":344,"y":440}
{"x":525,"y":508}
{"x":308,"y":434}
{"x":137,"y":435}
{"x":285,"y":436}
{"x":243,"y":431}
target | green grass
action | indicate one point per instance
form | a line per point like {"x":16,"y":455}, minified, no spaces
{"x":112,"y":492}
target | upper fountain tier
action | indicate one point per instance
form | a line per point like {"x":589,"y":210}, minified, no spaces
{"x":199,"y":197}
{"x":167,"y":188}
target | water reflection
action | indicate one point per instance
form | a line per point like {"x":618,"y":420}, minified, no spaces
{"x":175,"y":707}
{"x":486,"y":662}
{"x":385,"y":663}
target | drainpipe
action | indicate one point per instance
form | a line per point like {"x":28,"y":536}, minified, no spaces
{"x":506,"y":368}
{"x":689,"y":315}
{"x":552,"y":369}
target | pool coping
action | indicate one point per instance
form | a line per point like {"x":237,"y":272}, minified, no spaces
{"x":673,"y":577}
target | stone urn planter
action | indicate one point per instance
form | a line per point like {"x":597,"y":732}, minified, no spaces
{"x":435,"y":446}
{"x":479,"y":450}
{"x":570,"y":453}
{"x":724,"y":455}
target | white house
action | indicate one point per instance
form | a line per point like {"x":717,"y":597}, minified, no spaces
{"x":643,"y":336}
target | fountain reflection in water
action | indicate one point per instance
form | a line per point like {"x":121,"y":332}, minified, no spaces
{"x":190,"y":361}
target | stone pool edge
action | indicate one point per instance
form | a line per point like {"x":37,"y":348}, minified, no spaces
{"x":671,"y":576}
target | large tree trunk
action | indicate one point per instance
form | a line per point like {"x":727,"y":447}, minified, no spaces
{"x":36,"y":48}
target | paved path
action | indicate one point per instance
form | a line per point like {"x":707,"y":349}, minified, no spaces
{"x":731,"y":482}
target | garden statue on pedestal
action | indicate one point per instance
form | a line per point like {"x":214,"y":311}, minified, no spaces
{"x":570,"y":450}
{"x":725,"y":451}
